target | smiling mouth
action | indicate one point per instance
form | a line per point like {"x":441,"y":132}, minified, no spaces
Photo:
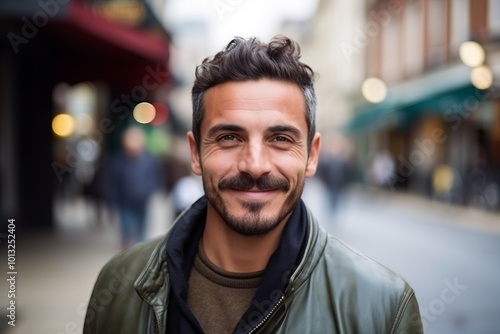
{"x":254,"y":194}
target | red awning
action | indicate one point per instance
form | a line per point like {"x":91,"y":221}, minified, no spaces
{"x":90,"y":47}
{"x":152,"y":47}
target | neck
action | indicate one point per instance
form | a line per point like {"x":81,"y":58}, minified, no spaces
{"x":234,"y":252}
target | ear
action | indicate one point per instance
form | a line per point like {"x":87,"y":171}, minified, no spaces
{"x":312,"y":161}
{"x":195,"y":154}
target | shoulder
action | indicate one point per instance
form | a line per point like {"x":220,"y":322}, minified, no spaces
{"x":346,"y":289}
{"x":132,"y":260}
{"x":368,"y":287}
{"x":339,"y":287}
{"x":114,"y":303}
{"x":364,"y":274}
{"x":117,"y":277}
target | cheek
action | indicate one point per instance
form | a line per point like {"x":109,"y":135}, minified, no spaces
{"x":293,"y":170}
{"x":293,"y":159}
{"x":216,"y":168}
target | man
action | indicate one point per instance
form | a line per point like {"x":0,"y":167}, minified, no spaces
{"x":248,"y":257}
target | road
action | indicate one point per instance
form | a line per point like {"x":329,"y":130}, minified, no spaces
{"x":451,"y":256}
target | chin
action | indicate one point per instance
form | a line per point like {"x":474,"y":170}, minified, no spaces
{"x":248,"y":228}
{"x":255,"y":220}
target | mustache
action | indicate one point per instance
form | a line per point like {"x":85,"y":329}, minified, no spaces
{"x":246,"y":182}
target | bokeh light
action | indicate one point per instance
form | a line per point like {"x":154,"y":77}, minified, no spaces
{"x":63,"y":125}
{"x":481,"y":77}
{"x":144,"y":112}
{"x":443,"y":179}
{"x":374,"y":90}
{"x":472,"y":53}
{"x":81,"y":98}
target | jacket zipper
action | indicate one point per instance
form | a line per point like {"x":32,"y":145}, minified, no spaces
{"x":156,"y":328}
{"x":292,"y":278}
{"x":268,"y":315}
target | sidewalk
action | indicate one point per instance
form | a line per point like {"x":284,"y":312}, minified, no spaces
{"x":57,"y":271}
{"x":55,"y":275}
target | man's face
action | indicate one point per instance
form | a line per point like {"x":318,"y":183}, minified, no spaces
{"x":253,"y":154}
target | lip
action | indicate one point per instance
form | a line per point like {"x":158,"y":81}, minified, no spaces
{"x":255,"y":195}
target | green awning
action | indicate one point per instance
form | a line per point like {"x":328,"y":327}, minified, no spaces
{"x":436,"y":93}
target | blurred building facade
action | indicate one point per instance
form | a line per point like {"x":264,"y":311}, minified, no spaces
{"x":71,"y":72}
{"x":440,"y":119}
{"x":339,"y":76}
{"x":422,"y":89}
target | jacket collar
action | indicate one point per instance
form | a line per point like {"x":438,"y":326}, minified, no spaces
{"x":316,"y":243}
{"x":154,"y":283}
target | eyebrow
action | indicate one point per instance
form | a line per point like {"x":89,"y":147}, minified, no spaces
{"x":236,"y":128}
{"x":286,"y":128}
{"x":224,"y":127}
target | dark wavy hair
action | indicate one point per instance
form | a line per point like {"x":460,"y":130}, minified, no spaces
{"x":249,"y":59}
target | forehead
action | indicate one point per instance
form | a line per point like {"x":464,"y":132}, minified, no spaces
{"x":265,"y":99}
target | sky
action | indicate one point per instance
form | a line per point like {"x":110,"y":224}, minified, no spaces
{"x":229,"y":18}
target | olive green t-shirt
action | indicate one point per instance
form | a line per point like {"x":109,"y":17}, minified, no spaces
{"x":219,"y":298}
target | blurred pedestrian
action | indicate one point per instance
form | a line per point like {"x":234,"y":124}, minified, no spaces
{"x":249,"y":256}
{"x":130,"y":181}
{"x":335,"y":168}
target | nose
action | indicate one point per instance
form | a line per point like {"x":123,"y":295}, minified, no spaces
{"x":255,"y":159}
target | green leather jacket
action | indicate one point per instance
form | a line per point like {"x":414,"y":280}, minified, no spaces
{"x":334,"y":290}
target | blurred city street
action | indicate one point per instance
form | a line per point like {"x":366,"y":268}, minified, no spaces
{"x":406,"y":98}
{"x":448,"y":254}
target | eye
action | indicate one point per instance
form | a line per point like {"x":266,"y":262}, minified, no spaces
{"x":282,"y":139}
{"x":227,"y":138}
